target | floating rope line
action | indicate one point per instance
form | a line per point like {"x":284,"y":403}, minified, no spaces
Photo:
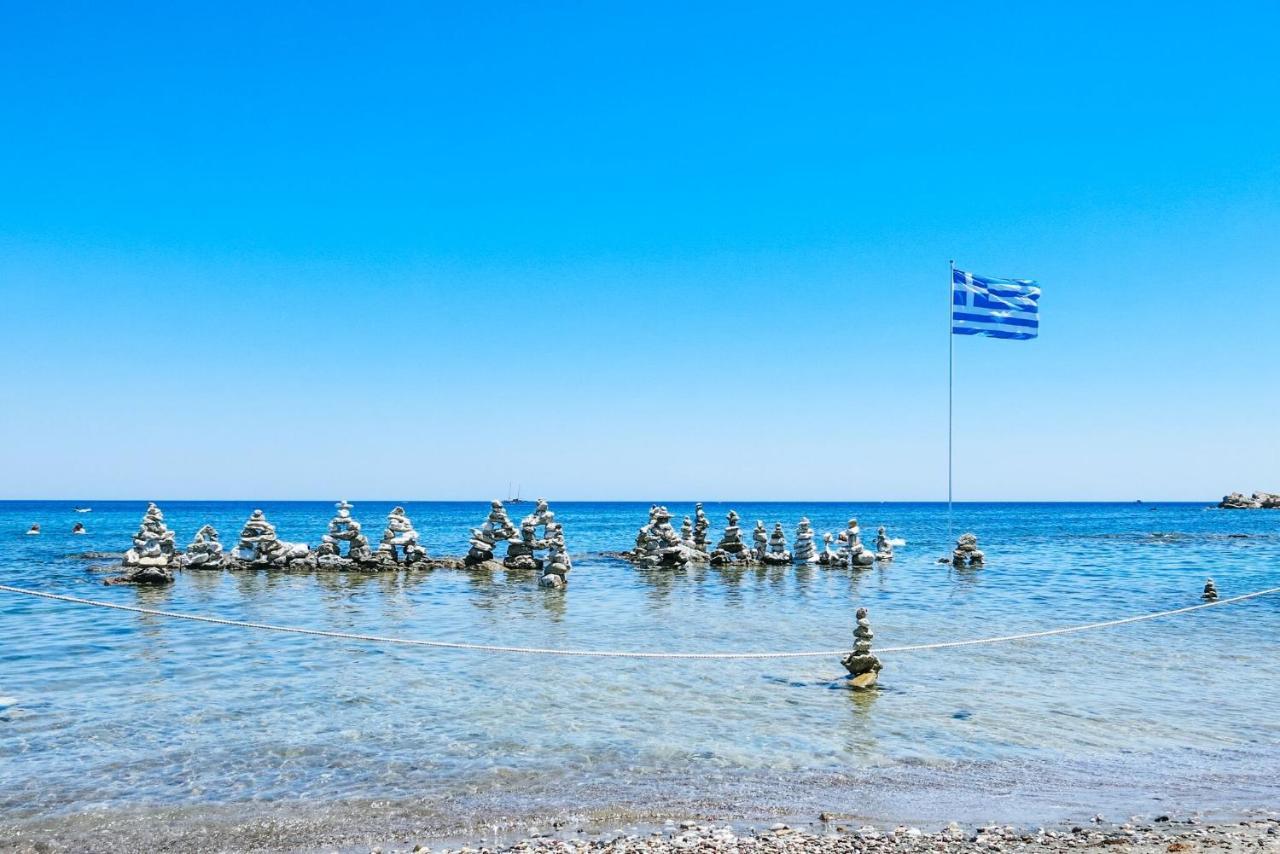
{"x":601,"y":653}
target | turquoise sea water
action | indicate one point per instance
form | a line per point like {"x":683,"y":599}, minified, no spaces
{"x":138,"y":730}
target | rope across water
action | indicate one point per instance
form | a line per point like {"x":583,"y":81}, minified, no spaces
{"x":601,"y":653}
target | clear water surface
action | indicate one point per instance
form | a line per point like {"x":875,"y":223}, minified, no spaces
{"x":137,"y":730}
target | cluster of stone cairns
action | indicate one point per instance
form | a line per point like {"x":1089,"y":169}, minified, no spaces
{"x":153,"y":556}
{"x":660,"y":544}
{"x":523,"y":545}
{"x":863,"y":667}
{"x":1257,"y":501}
{"x":966,"y":552}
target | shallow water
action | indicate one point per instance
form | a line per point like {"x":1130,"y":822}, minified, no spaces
{"x":113,"y":719}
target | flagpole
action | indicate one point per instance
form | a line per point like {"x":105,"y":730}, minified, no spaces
{"x":951,"y":370}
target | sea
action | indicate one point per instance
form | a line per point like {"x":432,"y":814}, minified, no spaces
{"x":125,"y":731}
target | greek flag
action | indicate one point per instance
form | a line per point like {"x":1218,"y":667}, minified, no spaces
{"x":997,"y":308}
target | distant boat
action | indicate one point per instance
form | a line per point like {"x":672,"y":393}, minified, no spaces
{"x":517,"y":499}
{"x":84,"y":509}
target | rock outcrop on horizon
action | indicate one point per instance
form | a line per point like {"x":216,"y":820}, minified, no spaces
{"x":1257,"y":501}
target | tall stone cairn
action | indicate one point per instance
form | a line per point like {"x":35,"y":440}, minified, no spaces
{"x":884,"y":548}
{"x":497,"y":528}
{"x":852,"y":552}
{"x":804,"y":551}
{"x":343,"y":529}
{"x":557,"y":565}
{"x":759,"y":541}
{"x":153,"y":556}
{"x":730,"y":549}
{"x":863,"y":667}
{"x":686,"y":533}
{"x":260,"y":547}
{"x":400,"y":540}
{"x":966,"y":552}
{"x":701,"y":529}
{"x":777,"y":552}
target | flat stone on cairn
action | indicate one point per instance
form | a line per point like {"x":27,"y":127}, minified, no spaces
{"x":400,"y":541}
{"x":153,"y":556}
{"x":884,"y":548}
{"x":205,"y":551}
{"x":852,"y":552}
{"x":260,"y":547}
{"x":777,"y":553}
{"x":496,"y":528}
{"x":1210,"y":591}
{"x":730,"y":549}
{"x":863,"y":667}
{"x":557,"y":565}
{"x":804,"y":550}
{"x":967,"y":553}
{"x":343,"y":529}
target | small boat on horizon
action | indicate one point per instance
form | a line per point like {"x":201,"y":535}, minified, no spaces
{"x":509,"y":499}
{"x":84,"y":509}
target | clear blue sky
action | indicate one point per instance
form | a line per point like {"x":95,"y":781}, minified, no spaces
{"x":635,"y":251}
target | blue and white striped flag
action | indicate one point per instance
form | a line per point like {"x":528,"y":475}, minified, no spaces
{"x":998,"y":308}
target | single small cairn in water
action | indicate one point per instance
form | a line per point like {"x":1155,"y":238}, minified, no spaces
{"x":205,"y":551}
{"x":884,"y":546}
{"x":777,"y":553}
{"x":1210,"y":591}
{"x":966,"y":552}
{"x":556,"y":569}
{"x":701,"y":526}
{"x":759,"y":541}
{"x":863,"y":667}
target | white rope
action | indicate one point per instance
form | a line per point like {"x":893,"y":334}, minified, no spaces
{"x":593,"y":653}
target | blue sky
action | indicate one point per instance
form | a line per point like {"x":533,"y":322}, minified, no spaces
{"x":635,"y":251}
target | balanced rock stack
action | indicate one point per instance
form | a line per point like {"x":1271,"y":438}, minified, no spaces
{"x":804,"y":549}
{"x":701,"y":527}
{"x":205,"y":551}
{"x":852,"y":552}
{"x":777,"y":553}
{"x":730,"y":549}
{"x":686,"y":534}
{"x":1258,"y":501}
{"x":153,"y":556}
{"x":967,"y":553}
{"x":664,"y":543}
{"x":260,"y":547}
{"x":759,"y":541}
{"x":863,"y":667}
{"x":829,"y":556}
{"x":556,"y":568}
{"x":884,"y":548}
{"x":400,"y":541}
{"x":1210,"y":591}
{"x":343,"y":529}
{"x":496,"y":528}
{"x":522,"y":552}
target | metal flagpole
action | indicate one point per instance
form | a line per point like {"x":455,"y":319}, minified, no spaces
{"x":951,"y":370}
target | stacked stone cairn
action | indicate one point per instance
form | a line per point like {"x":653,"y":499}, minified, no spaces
{"x":496,"y":528}
{"x":686,"y":534}
{"x":659,"y":544}
{"x":343,"y":529}
{"x":1210,"y":591}
{"x":759,"y":542}
{"x":862,"y":665}
{"x":852,"y":553}
{"x":260,"y":547}
{"x":884,"y":548}
{"x":777,"y":552}
{"x":556,"y":568}
{"x":205,"y":551}
{"x":829,"y":556}
{"x":400,"y":541}
{"x":804,"y":548}
{"x":153,"y":556}
{"x":730,"y":549}
{"x":522,"y":551}
{"x":701,"y":527}
{"x":966,"y":552}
